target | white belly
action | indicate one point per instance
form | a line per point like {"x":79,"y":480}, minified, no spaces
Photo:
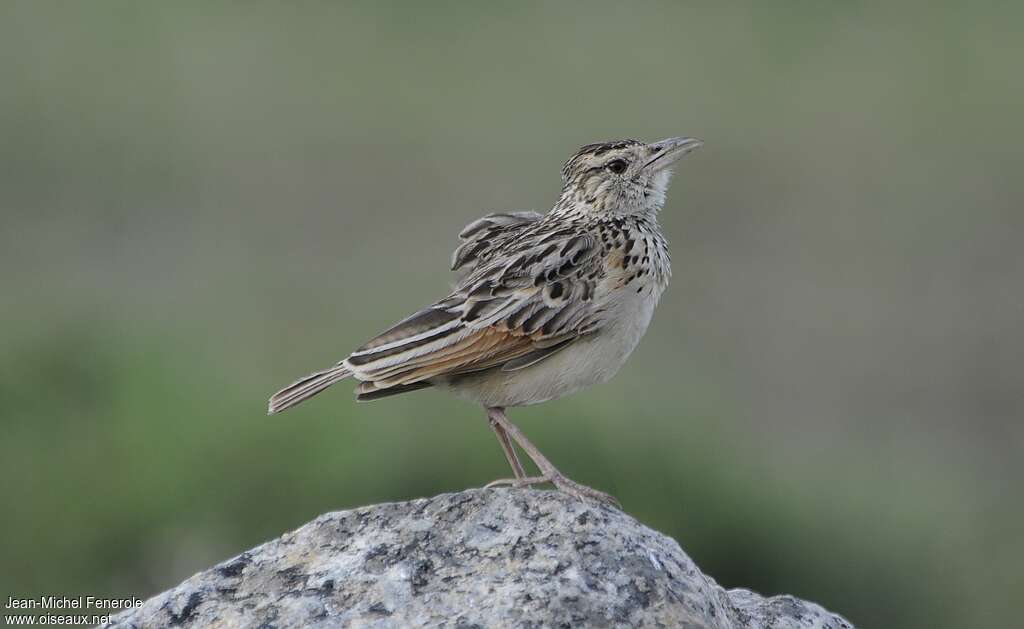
{"x":588,"y":361}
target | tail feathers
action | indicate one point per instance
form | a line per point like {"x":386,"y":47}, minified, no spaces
{"x":306,"y":388}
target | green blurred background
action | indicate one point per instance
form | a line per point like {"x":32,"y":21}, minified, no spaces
{"x":202,"y":201}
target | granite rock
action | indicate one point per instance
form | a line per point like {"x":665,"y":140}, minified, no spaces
{"x":479,"y":558}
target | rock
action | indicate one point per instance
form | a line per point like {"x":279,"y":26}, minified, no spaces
{"x":479,"y":558}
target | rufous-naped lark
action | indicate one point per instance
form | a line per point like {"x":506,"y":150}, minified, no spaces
{"x":543,"y":305}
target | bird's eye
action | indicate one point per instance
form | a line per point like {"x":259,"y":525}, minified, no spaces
{"x":617,"y":166}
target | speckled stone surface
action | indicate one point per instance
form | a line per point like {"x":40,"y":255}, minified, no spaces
{"x":479,"y":558}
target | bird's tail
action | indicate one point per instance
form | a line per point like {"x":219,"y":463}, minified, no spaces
{"x":306,"y":388}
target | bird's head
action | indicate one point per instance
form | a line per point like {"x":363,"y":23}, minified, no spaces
{"x":621,"y":177}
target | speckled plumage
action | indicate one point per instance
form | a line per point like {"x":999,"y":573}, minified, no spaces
{"x":543,"y":305}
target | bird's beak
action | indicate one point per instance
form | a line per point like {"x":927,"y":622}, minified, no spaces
{"x":670,"y":150}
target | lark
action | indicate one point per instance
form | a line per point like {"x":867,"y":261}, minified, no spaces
{"x":543,"y":305}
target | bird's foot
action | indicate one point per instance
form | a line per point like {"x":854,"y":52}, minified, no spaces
{"x":582,"y":492}
{"x":517,"y":482}
{"x":561,"y":483}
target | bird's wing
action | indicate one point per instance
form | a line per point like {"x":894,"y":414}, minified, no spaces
{"x":482,"y":237}
{"x":524,"y":300}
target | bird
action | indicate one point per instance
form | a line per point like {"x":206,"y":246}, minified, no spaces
{"x":543,"y":305}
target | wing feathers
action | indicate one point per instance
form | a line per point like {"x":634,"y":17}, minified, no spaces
{"x":534,"y":357}
{"x":372,"y":393}
{"x":382,"y":372}
{"x":525,"y":292}
{"x":490,"y":348}
{"x":486,"y":235}
{"x":421,"y":326}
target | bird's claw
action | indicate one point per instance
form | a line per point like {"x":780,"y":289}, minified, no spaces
{"x":517,"y":482}
{"x":583,"y":492}
{"x":561,"y":483}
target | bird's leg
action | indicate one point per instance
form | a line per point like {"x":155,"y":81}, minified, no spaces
{"x":506,"y":445}
{"x":549,"y":473}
